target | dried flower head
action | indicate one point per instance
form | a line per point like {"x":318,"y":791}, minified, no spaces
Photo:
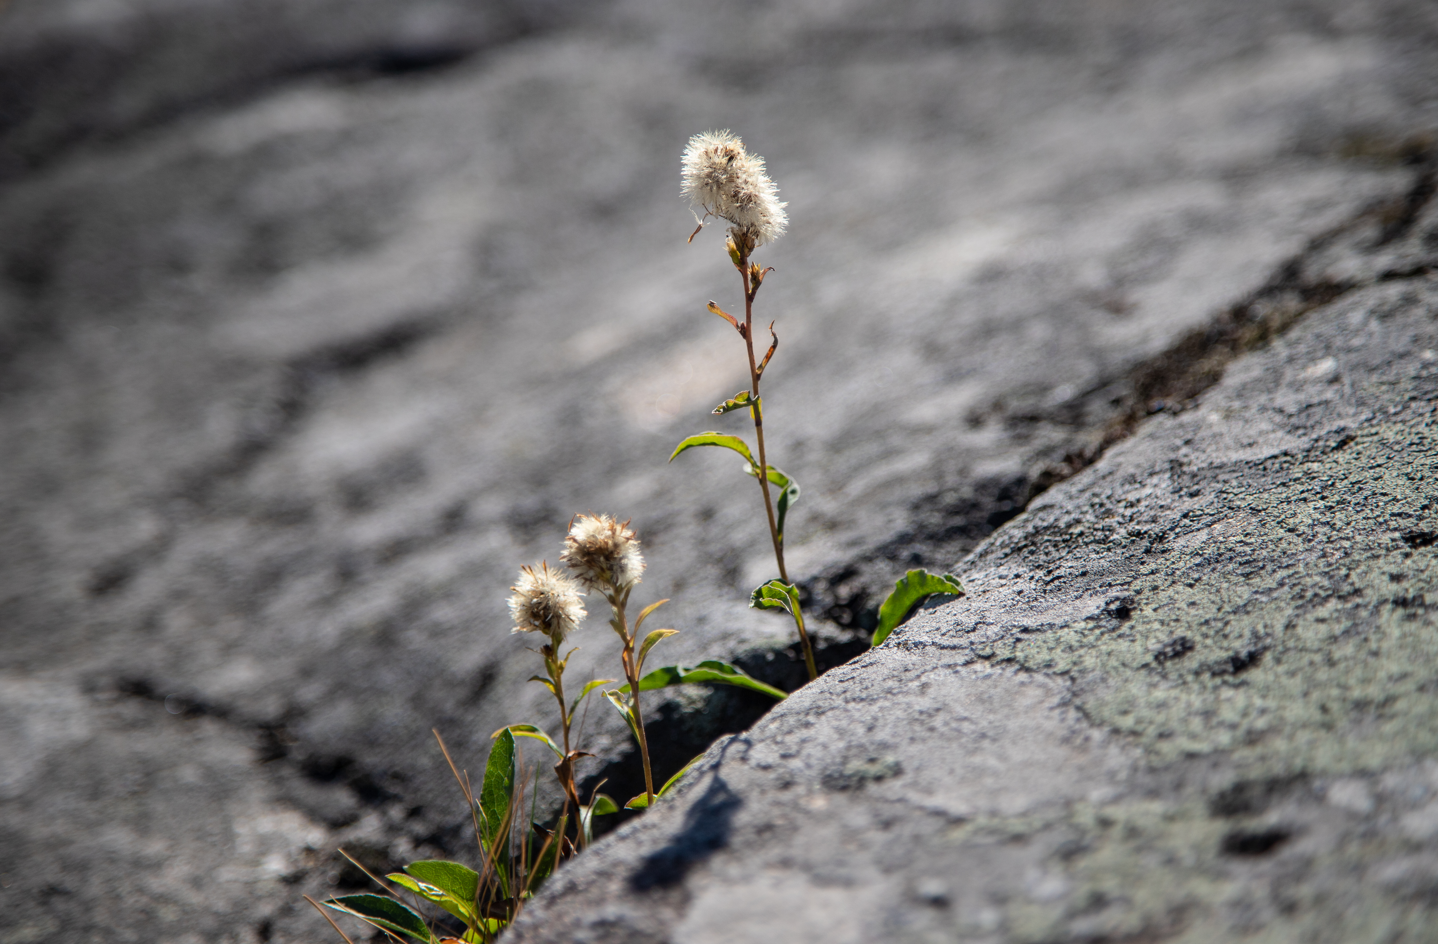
{"x":602,"y":551}
{"x":729,"y":182}
{"x":546,"y":601}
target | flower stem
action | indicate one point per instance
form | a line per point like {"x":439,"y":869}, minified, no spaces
{"x":757,"y":412}
{"x":565,"y":768}
{"x":621,"y":625}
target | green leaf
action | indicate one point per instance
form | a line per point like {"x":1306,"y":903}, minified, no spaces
{"x":775,"y":595}
{"x":586,"y":690}
{"x":601,"y":806}
{"x":721,"y":673}
{"x":908,"y":592}
{"x":675,"y":779}
{"x":788,"y":494}
{"x":462,"y":910}
{"x":642,"y":801}
{"x":448,"y":884}
{"x":530,"y":731}
{"x":650,"y":642}
{"x":383,"y":913}
{"x":644,"y":613}
{"x":546,"y":682}
{"x":616,"y":698}
{"x":498,"y":786}
{"x":715,"y":439}
{"x":458,"y":881}
{"x":739,"y":401}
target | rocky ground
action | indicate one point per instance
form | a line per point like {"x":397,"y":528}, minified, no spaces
{"x":1189,"y":697}
{"x":318,"y":319}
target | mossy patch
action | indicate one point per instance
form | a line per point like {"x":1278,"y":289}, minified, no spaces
{"x":1313,"y":647}
{"x":1151,"y":870}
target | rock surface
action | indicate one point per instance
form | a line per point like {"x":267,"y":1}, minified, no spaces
{"x":1189,"y":697}
{"x":318,"y":319}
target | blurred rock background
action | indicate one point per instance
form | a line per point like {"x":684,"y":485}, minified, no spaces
{"x":319,"y":318}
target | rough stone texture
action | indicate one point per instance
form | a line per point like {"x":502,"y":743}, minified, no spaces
{"x":309,"y":339}
{"x":1190,"y":697}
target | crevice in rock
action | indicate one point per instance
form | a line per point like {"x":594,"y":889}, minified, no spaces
{"x":1253,"y":843}
{"x":945,"y":525}
{"x":685,"y":724}
{"x":274,"y":743}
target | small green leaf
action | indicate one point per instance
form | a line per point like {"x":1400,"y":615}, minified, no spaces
{"x":675,"y":779}
{"x":544,"y":681}
{"x":531,"y":731}
{"x":775,"y":595}
{"x":616,"y":698}
{"x":448,"y":884}
{"x":739,"y":401}
{"x":586,"y":690}
{"x":721,"y":673}
{"x":498,"y":786}
{"x":601,"y":806}
{"x":641,"y":802}
{"x":644,"y":613}
{"x":383,"y":913}
{"x":715,"y":439}
{"x":455,"y":880}
{"x":423,"y":889}
{"x":788,"y":494}
{"x":908,"y":592}
{"x":650,"y":642}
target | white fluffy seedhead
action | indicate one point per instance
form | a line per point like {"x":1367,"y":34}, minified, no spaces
{"x":726,"y":181}
{"x":603,"y":552}
{"x":546,"y":601}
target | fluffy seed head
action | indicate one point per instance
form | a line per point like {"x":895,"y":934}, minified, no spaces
{"x":729,"y":182}
{"x":602,"y":551}
{"x":545,"y":601}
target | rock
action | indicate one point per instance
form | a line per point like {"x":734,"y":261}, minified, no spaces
{"x":1189,"y":697}
{"x":301,"y":358}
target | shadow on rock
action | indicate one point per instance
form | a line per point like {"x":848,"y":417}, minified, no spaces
{"x":705,"y":831}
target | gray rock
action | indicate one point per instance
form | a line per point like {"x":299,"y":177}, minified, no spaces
{"x":1189,"y":697}
{"x":302,"y":355}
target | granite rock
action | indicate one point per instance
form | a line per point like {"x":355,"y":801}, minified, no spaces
{"x":319,"y":319}
{"x":1189,"y":697}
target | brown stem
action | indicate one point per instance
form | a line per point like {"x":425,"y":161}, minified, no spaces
{"x":757,"y":412}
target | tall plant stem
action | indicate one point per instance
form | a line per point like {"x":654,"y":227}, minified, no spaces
{"x":757,"y":411}
{"x":631,"y":673}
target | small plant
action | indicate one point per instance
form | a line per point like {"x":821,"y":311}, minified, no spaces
{"x":517,"y":853}
{"x":724,"y":180}
{"x":514,"y":861}
{"x":602,"y":554}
